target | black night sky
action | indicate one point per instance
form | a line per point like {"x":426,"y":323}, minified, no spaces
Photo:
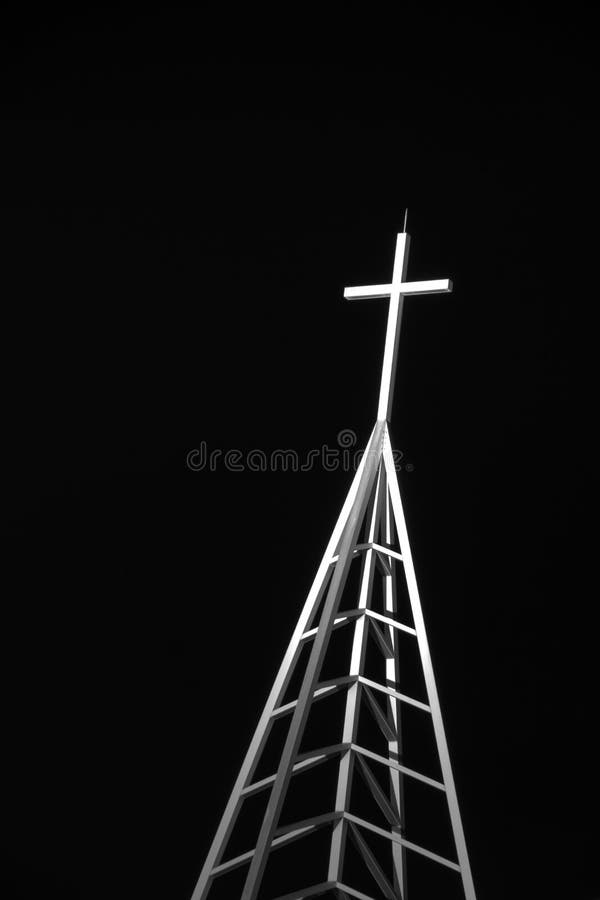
{"x":181,"y":208}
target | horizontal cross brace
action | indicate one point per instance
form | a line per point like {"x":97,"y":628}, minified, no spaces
{"x":336,"y":684}
{"x":296,"y":830}
{"x":379,"y":548}
{"x":323,"y":819}
{"x":328,"y":687}
{"x":338,"y":623}
{"x":351,"y":614}
{"x":315,"y":757}
{"x":390,"y":763}
{"x":378,"y":291}
{"x":244,"y":858}
{"x":284,"y":835}
{"x":305,"y":762}
{"x":391,"y":693}
{"x":393,"y":836}
{"x":386,"y":551}
{"x":387,"y":621}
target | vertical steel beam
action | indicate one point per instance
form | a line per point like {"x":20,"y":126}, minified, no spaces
{"x":285,"y":671}
{"x":357,"y":660}
{"x":392,"y":673}
{"x":313,"y":668}
{"x":433,"y":699}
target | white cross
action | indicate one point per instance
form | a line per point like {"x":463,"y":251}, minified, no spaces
{"x":396,"y":291}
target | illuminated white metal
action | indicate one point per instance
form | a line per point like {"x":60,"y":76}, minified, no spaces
{"x":336,"y":857}
{"x":379,"y":291}
{"x":381,"y":551}
{"x":396,"y":291}
{"x":432,"y":695}
{"x":348,"y":541}
{"x":399,"y":768}
{"x":373,"y":503}
{"x":395,"y":838}
{"x":277,"y":691}
{"x":392,"y":674}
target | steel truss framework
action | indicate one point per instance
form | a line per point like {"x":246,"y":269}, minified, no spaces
{"x":371,"y":526}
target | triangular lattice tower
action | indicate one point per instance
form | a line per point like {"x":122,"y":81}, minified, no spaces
{"x":359,"y":631}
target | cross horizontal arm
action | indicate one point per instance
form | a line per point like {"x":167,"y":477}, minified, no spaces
{"x":368,"y":292}
{"x":377,"y":291}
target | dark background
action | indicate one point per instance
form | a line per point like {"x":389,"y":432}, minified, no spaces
{"x":181,"y":209}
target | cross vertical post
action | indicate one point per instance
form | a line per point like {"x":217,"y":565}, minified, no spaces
{"x":392,"y":334}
